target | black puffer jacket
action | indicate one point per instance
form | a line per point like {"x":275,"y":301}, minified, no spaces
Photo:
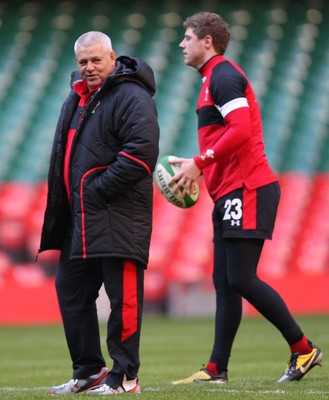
{"x":112,"y":159}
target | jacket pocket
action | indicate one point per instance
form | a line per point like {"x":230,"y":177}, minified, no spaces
{"x":95,"y":225}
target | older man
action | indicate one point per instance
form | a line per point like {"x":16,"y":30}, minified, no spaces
{"x":99,"y":211}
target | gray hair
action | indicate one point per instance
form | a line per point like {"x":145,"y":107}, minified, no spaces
{"x":93,"y":37}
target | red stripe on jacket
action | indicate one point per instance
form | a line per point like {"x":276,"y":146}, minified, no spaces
{"x":137,"y":160}
{"x":82,"y":206}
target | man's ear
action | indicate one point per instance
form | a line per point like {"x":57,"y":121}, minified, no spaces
{"x":113,"y":57}
{"x":208,"y":42}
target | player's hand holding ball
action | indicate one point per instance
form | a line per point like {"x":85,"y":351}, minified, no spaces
{"x":177,"y":180}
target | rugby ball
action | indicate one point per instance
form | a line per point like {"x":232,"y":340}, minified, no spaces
{"x":164,"y":171}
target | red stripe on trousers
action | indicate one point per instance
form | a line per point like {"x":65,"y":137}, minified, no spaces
{"x":249,"y":209}
{"x":130,"y":300}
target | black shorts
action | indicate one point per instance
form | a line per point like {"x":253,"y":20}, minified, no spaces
{"x":246,"y":214}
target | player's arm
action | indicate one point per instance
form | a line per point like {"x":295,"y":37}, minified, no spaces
{"x":228,"y":90}
{"x":237,"y":132}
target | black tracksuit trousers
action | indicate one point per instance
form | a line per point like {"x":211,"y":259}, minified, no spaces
{"x":77,"y":284}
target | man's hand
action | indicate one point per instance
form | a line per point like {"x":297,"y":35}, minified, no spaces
{"x":186,"y":176}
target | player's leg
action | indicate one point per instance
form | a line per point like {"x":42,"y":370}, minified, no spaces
{"x":243,"y":256}
{"x":242,"y":259}
{"x":228,"y":312}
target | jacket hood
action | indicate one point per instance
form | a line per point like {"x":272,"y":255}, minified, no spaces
{"x":127,"y":69}
{"x":136,"y":70}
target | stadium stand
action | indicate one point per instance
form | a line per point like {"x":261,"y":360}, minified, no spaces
{"x":283,"y":47}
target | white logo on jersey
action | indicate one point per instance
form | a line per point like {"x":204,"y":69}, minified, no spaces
{"x":237,"y":223}
{"x":204,"y":78}
{"x":208,"y":154}
{"x":206,"y":96}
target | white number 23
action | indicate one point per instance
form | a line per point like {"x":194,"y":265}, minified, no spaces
{"x":233,"y":209}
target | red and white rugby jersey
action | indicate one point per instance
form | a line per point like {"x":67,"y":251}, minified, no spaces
{"x":230,"y":131}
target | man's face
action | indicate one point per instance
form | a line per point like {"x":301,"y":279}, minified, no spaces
{"x":193,"y":49}
{"x":95,"y":63}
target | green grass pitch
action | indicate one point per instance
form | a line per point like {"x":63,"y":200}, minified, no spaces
{"x":34,"y":358}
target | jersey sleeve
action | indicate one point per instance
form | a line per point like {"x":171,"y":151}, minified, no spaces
{"x":227,"y":87}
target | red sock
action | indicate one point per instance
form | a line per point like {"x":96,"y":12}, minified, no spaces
{"x":212,"y":368}
{"x":301,"y":347}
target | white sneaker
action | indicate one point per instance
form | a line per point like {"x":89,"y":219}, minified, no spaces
{"x":131,"y":386}
{"x":80,"y":385}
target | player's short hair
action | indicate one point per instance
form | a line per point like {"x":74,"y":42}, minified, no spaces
{"x":207,"y":23}
{"x":93,"y":37}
